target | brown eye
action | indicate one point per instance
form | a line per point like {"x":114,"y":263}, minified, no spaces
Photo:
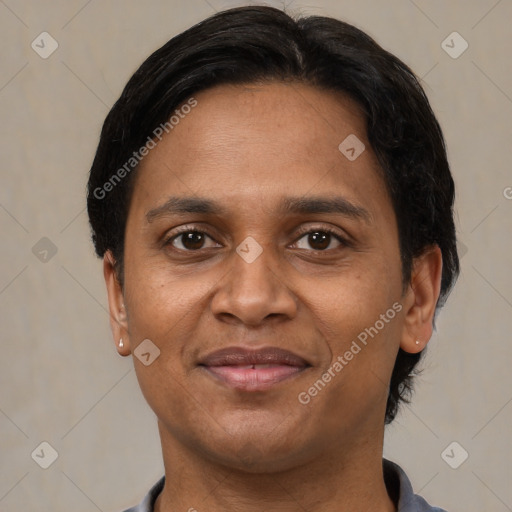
{"x":320,"y":240}
{"x":190,"y":240}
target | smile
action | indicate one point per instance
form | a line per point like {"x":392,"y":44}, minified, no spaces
{"x":257,"y":377}
{"x":253,"y":370}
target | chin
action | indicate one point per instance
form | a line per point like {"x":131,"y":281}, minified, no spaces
{"x":257,"y":454}
{"x":250,"y":459}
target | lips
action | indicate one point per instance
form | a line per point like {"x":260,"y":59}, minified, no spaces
{"x":253,"y":370}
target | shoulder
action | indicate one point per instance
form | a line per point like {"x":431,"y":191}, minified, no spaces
{"x":399,"y":484}
{"x":148,"y":503}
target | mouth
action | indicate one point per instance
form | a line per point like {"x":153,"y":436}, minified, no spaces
{"x":253,"y":370}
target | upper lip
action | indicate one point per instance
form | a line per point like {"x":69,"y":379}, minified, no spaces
{"x":232,"y":356}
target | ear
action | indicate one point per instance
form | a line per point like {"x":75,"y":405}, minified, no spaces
{"x":118,"y":317}
{"x":420,"y":300}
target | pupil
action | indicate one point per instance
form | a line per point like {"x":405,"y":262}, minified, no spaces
{"x":321,"y":238}
{"x":193,"y":240}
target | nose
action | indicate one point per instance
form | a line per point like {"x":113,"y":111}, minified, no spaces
{"x":252,"y":292}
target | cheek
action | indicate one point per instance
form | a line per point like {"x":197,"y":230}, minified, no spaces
{"x":362,"y":330}
{"x":347,"y":304}
{"x":359,"y":317}
{"x":163,"y":309}
{"x":158,"y":301}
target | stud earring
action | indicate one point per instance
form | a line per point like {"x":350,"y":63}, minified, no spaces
{"x":121,"y":344}
{"x":418,"y":342}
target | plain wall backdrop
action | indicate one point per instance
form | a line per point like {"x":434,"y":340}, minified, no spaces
{"x":61,"y":380}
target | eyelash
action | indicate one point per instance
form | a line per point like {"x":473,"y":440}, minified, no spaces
{"x":305,"y":231}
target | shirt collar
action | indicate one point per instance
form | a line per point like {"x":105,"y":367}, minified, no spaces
{"x":397,"y":483}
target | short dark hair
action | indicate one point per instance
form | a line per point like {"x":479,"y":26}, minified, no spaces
{"x":262,"y":44}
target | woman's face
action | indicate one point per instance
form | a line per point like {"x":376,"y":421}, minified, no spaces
{"x":255,"y":275}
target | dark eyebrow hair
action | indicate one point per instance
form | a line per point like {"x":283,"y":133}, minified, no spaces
{"x":335,"y":204}
{"x":177,"y":205}
{"x":301,"y":205}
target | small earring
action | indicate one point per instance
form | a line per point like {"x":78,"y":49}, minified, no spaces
{"x":121,"y":344}
{"x":418,"y":342}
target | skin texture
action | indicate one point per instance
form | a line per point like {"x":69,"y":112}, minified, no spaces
{"x":248,"y":147}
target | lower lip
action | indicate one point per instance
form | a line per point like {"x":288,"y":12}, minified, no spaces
{"x":257,"y":379}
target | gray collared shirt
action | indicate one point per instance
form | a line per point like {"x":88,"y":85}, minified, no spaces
{"x":396,"y":480}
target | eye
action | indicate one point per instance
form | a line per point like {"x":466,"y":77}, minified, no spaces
{"x":321,"y":239}
{"x":190,"y":240}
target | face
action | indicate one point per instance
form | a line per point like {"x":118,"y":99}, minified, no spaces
{"x":287,"y":244}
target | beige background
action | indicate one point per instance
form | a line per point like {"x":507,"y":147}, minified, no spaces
{"x":61,"y":380}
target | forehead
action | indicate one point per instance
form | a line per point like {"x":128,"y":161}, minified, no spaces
{"x":245,"y":142}
{"x":275,"y":121}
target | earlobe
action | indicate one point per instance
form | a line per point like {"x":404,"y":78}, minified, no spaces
{"x":421,"y":299}
{"x":117,"y":310}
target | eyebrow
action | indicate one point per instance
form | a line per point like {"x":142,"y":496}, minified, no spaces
{"x":289,"y":205}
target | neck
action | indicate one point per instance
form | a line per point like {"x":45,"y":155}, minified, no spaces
{"x":347,"y":478}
